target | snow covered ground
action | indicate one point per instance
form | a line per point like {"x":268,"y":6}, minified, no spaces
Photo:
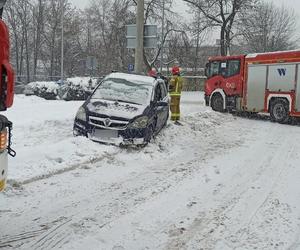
{"x":218,"y":182}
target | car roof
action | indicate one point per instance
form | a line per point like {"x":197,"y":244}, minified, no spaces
{"x":134,"y":78}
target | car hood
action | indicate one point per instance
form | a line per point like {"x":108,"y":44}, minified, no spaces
{"x":115,"y":109}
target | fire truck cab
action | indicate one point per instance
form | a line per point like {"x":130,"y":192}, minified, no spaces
{"x":6,"y":99}
{"x":266,"y":82}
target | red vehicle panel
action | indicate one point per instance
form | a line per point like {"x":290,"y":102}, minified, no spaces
{"x":265,"y":82}
{"x":6,"y":70}
{"x":6,"y":99}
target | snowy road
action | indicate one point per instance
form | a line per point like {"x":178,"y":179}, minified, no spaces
{"x":218,"y":182}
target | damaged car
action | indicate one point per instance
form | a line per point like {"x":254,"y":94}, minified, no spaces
{"x":124,"y":109}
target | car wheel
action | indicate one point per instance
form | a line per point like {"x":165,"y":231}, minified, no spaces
{"x":280,"y":111}
{"x":149,"y":134}
{"x":217,"y":103}
{"x":166,"y":122}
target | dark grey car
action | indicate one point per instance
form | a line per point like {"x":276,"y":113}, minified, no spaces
{"x":124,"y":109}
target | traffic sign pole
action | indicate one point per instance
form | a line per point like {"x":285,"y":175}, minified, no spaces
{"x":139,"y":51}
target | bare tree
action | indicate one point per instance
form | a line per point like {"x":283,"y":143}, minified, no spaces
{"x":19,"y":18}
{"x":38,"y":22}
{"x":98,"y":31}
{"x":269,"y":28}
{"x":154,"y":13}
{"x":106,"y":41}
{"x":222,"y":14}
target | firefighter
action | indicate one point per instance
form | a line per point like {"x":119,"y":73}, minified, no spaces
{"x":175,"y":88}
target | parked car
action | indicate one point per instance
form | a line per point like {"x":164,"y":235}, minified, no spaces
{"x":124,"y":109}
{"x":28,"y":91}
{"x":19,"y":87}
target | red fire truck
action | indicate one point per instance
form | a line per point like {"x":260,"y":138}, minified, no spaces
{"x":6,"y":98}
{"x":266,"y":82}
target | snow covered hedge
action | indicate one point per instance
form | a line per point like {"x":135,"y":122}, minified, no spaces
{"x":78,"y":88}
{"x":46,"y":90}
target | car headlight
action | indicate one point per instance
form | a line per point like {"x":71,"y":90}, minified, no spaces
{"x":81,"y":114}
{"x":140,"y":122}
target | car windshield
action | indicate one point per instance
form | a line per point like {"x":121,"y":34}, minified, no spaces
{"x":122,"y":90}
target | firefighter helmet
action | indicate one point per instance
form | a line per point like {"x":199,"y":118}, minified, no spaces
{"x":175,"y":70}
{"x":152,"y":73}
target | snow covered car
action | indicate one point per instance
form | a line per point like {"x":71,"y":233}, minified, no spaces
{"x":124,"y":109}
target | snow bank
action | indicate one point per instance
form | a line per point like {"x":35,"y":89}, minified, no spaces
{"x":45,"y":144}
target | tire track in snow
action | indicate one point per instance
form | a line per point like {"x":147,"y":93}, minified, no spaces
{"x":6,"y":241}
{"x":137,"y":195}
{"x":210,"y":228}
{"x":156,"y":177}
{"x":63,"y":170}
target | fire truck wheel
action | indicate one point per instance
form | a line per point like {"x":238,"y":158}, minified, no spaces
{"x":217,"y":103}
{"x":280,"y":111}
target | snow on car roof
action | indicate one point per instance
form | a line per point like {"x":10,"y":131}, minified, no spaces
{"x":133,"y":78}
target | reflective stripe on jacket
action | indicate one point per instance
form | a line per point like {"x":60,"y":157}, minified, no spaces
{"x":175,"y":86}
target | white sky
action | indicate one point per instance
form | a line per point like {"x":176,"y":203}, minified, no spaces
{"x":181,"y":8}
{"x":293,"y":4}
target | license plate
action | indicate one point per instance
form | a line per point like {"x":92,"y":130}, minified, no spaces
{"x":105,"y":134}
{"x":2,"y":185}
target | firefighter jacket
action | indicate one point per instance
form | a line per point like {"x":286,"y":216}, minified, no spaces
{"x":175,"y":86}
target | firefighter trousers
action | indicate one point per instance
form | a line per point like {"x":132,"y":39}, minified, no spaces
{"x":175,"y":108}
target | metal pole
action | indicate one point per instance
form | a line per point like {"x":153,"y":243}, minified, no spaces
{"x":162,"y":37}
{"x":62,"y":42}
{"x":139,"y":51}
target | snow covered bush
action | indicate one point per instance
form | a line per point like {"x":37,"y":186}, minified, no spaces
{"x":46,"y":90}
{"x":78,"y":88}
{"x":73,"y":89}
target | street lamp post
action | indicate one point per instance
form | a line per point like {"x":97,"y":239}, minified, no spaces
{"x":139,"y":51}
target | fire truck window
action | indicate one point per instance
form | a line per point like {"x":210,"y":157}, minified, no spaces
{"x":214,"y":69}
{"x":233,"y":68}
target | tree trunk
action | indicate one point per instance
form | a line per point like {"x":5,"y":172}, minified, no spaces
{"x":223,"y":41}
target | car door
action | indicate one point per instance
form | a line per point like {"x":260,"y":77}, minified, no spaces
{"x":161,"y":104}
{"x":166,"y":100}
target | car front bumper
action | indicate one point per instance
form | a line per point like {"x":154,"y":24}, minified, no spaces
{"x":121,"y":137}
